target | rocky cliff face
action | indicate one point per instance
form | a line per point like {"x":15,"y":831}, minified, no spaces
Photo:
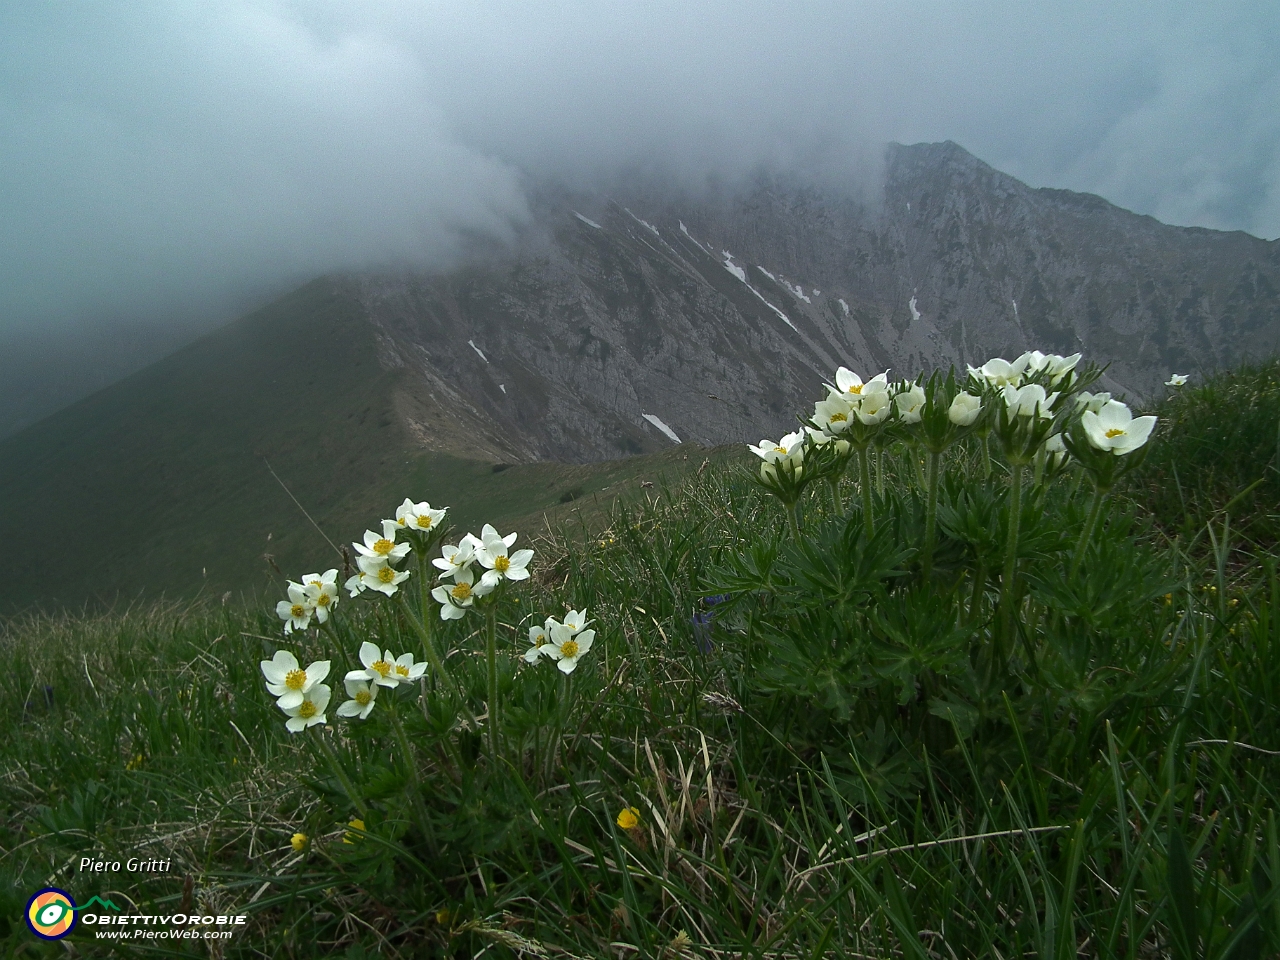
{"x":628,"y":320}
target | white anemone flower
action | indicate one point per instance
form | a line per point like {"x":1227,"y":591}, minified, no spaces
{"x":419,"y":516}
{"x":455,"y":558}
{"x":875,"y":405}
{"x":1033,"y":361}
{"x":288,"y":681}
{"x":537,"y":638}
{"x":380,"y":575}
{"x":322,"y":590}
{"x":909,"y":403}
{"x":1176,"y":380}
{"x":849,"y":383}
{"x":575,"y":621}
{"x":383,"y":547}
{"x":1059,"y":367}
{"x":379,"y":666}
{"x":1056,"y":449}
{"x":1029,"y":401}
{"x":297,"y":610}
{"x":1000,"y":373}
{"x":493,"y":556}
{"x":832,"y":415}
{"x":406,"y":670}
{"x":964,"y":409}
{"x":790,"y":447}
{"x":1114,"y":428}
{"x":456,"y":600}
{"x":363,"y":694}
{"x":821,"y":439}
{"x":309,"y":710}
{"x":567,"y":647}
{"x":1092,"y":401}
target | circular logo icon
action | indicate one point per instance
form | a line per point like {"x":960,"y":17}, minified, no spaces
{"x":51,"y":913}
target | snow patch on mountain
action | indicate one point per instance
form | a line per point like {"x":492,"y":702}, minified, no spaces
{"x":473,"y":346}
{"x":587,"y":221}
{"x":662,"y":426}
{"x":915,"y":314}
{"x":843,"y":306}
{"x":648,"y":226}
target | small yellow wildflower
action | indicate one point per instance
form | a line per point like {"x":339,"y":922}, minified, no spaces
{"x":135,"y":763}
{"x":629,"y":818}
{"x":348,"y":836}
{"x":299,"y":842}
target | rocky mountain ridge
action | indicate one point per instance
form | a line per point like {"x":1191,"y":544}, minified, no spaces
{"x":634,"y":318}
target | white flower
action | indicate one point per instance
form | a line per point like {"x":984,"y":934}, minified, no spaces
{"x":455,"y":601}
{"x":1059,"y":367}
{"x":832,"y":415}
{"x":453,"y":559}
{"x":297,"y":610}
{"x":537,"y":637}
{"x":1033,"y":361}
{"x":362,"y":694}
{"x":1056,"y":449}
{"x":322,"y":591}
{"x":379,"y":575}
{"x":1092,"y":401}
{"x":821,"y":439}
{"x":909,"y":403}
{"x":848,"y":382}
{"x":575,"y":621}
{"x":568,"y":647}
{"x":1176,"y":380}
{"x":964,"y":409}
{"x":406,"y":669}
{"x":790,"y":447}
{"x":355,"y":584}
{"x":1029,"y":401}
{"x":382,"y":547}
{"x":492,"y":554}
{"x":875,"y":404}
{"x":287,"y":680}
{"x":419,"y":516}
{"x":1114,"y":428}
{"x":379,"y":666}
{"x":309,"y":710}
{"x":1000,"y":373}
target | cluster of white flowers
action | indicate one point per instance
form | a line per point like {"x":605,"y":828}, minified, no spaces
{"x":566,"y":642}
{"x":315,"y":596}
{"x":1000,"y":373}
{"x":300,"y":693}
{"x":381,"y":669}
{"x":455,"y":562}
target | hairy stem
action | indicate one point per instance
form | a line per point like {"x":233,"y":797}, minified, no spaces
{"x":411,"y":761}
{"x":491,"y":658}
{"x":931,"y":516}
{"x":864,"y":482}
{"x":1099,"y":494}
{"x":1010,"y":559}
{"x":341,"y":774}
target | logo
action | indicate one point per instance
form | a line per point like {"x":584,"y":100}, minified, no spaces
{"x":51,"y":913}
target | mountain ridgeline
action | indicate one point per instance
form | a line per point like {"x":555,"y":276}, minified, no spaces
{"x":617,"y":324}
{"x":718,"y":318}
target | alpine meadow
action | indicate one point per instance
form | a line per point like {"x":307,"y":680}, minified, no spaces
{"x":979,"y":663}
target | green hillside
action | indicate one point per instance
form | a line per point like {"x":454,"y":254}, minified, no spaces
{"x":162,"y":483}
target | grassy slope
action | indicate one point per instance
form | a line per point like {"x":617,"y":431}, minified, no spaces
{"x":160,"y":484}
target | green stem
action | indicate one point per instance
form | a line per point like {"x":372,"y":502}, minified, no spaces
{"x":406,"y":749}
{"x":793,"y":518}
{"x":343,"y":779}
{"x":834,"y":483}
{"x":986,"y":457}
{"x":428,"y":645}
{"x":979,"y":583}
{"x":880,"y":471}
{"x":1010,"y":558}
{"x":864,"y":482}
{"x":491,"y":657}
{"x":931,"y":515}
{"x":1099,"y":493}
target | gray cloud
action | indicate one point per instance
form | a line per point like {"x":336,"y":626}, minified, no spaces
{"x":170,"y":162}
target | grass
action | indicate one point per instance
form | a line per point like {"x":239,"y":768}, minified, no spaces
{"x":830,"y":762}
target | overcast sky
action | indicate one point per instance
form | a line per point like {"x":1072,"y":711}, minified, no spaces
{"x":168,"y":161}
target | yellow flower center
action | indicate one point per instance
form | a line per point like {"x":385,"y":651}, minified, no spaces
{"x":838,"y":418}
{"x":383,"y":668}
{"x":569,"y":648}
{"x":307,"y":710}
{"x":386,"y":575}
{"x":462,"y":591}
{"x":780,"y":449}
{"x":323,"y":600}
{"x":297,"y":611}
{"x":295,"y":679}
{"x":383,"y":546}
{"x":299,"y":842}
{"x":628,"y":819}
{"x":501,"y":564}
{"x":1114,"y":432}
{"x":363,"y":698}
{"x":424,"y":522}
{"x":856,"y":388}
{"x":401,"y":670}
